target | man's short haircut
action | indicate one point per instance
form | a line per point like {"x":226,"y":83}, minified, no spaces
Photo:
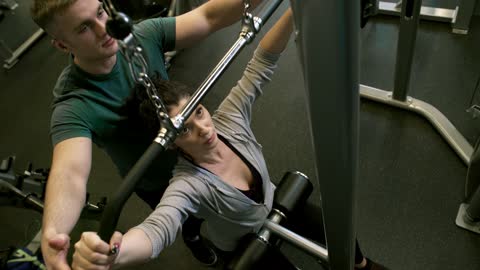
{"x":44,"y":11}
{"x":139,"y":104}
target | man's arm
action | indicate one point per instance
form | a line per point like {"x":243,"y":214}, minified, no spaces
{"x":65,"y":198}
{"x":197,"y":24}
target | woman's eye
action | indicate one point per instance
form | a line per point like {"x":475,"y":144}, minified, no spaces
{"x":82,"y":29}
{"x":101,"y":11}
{"x":184,"y":131}
{"x":199,"y":111}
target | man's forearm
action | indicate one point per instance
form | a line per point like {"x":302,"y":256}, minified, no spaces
{"x":194,"y":26}
{"x":64,"y":201}
{"x":222,"y":13}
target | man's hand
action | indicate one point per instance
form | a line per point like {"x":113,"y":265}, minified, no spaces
{"x":93,"y":253}
{"x":54,"y":251}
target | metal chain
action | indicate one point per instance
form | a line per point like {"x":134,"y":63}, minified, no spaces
{"x":246,"y":8}
{"x":248,"y":23}
{"x":139,"y":70}
{"x":247,"y":16}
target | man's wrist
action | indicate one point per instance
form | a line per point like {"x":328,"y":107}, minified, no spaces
{"x":48,"y":232}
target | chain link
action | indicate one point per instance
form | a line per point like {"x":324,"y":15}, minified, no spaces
{"x":139,"y":70}
{"x":247,"y":16}
{"x":246,"y":8}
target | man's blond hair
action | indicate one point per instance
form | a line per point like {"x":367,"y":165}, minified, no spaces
{"x":43,"y":11}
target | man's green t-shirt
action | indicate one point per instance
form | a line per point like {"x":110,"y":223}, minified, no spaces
{"x":93,"y":106}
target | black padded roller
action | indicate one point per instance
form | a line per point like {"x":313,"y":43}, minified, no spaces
{"x":293,"y":190}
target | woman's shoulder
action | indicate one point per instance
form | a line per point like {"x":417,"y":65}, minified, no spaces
{"x":186,"y":171}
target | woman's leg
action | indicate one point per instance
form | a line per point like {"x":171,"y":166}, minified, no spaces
{"x":194,"y":241}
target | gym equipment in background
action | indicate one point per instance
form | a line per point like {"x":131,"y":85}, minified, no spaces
{"x":27,"y":190}
{"x":459,"y":17}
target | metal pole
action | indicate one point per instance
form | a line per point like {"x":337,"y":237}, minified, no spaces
{"x":426,"y":12}
{"x":464,"y":16}
{"x":209,"y":81}
{"x":33,"y":201}
{"x":114,"y":207}
{"x":328,"y":46}
{"x":297,"y":240}
{"x":409,"y":19}
{"x":11,"y":61}
{"x":207,"y":84}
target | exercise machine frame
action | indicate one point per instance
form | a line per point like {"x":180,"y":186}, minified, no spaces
{"x":334,"y":70}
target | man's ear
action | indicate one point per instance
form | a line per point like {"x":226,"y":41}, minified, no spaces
{"x":60,"y":45}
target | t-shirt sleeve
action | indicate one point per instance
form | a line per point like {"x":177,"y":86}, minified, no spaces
{"x":66,"y":124}
{"x":161,"y":29}
{"x":259,"y":71}
{"x":179,"y":200}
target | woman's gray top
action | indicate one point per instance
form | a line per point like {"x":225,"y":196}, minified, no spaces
{"x":229,"y":215}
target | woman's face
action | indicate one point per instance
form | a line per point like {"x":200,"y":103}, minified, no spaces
{"x":198,"y":136}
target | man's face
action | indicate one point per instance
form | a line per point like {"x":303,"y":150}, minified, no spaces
{"x":199,"y":136}
{"x":81,"y":31}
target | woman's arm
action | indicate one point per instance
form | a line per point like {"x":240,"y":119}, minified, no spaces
{"x":146,"y":240}
{"x":91,"y":252}
{"x":259,"y":71}
{"x":136,"y":248}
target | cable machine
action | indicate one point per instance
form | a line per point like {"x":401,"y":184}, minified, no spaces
{"x":330,"y":68}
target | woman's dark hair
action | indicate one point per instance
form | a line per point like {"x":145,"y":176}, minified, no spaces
{"x":141,"y":107}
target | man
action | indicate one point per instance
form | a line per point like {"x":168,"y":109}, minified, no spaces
{"x":89,"y":102}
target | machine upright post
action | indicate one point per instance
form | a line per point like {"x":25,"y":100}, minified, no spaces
{"x":328,"y":48}
{"x":465,"y":11}
{"x":473,"y":211}
{"x":409,"y":18}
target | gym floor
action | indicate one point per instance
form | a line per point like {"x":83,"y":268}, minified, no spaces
{"x":410,"y":182}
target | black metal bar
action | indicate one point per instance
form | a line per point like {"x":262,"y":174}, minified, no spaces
{"x":267,"y":11}
{"x":473,"y":210}
{"x":114,"y":207}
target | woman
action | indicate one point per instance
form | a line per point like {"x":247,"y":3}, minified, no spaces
{"x":221,"y":175}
